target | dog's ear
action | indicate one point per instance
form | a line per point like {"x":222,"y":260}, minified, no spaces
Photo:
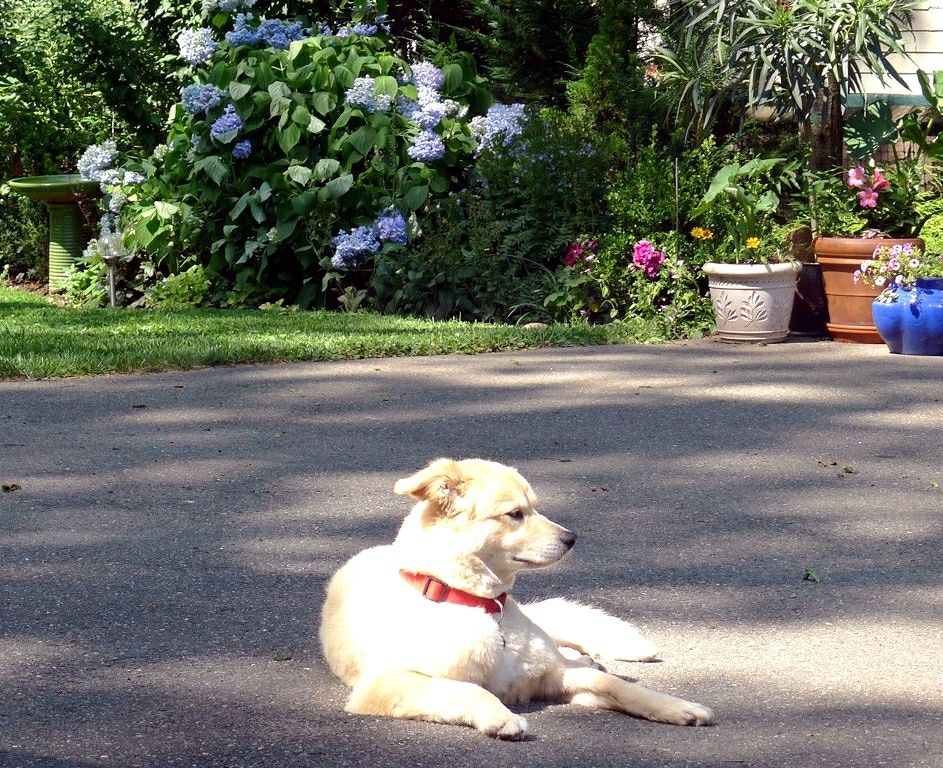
{"x":441,"y":483}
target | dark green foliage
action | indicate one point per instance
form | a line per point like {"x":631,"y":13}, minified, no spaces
{"x":455,"y":269}
{"x":24,"y":232}
{"x":611,"y":93}
{"x":547,"y":188}
{"x":71,"y":71}
{"x":528,"y":48}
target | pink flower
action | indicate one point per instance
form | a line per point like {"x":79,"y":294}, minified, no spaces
{"x":856,"y":177}
{"x":581,"y":251}
{"x":878,"y":182}
{"x":868,"y":198}
{"x":574,"y":254}
{"x":647,"y":258}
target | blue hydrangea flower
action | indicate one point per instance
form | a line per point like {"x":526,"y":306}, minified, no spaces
{"x":241,"y":33}
{"x":226,"y":5}
{"x":501,"y":126}
{"x":427,"y":75}
{"x":349,"y":247}
{"x":226,"y":122}
{"x":275,"y":33}
{"x":280,"y":34}
{"x":199,"y":98}
{"x":241,"y":150}
{"x":367,"y":30}
{"x":361,"y":94}
{"x":406,"y":107}
{"x":116,"y":201}
{"x":114,"y":177}
{"x":430,"y":115}
{"x":391,"y":227}
{"x":196,"y":45}
{"x":96,"y":159}
{"x":427,"y":147}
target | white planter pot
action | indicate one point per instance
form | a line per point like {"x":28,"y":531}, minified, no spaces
{"x":752,"y":302}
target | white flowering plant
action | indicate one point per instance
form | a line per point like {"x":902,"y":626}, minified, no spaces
{"x":897,"y":267}
{"x":300,"y":151}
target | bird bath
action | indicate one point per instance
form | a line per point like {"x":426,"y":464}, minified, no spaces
{"x":66,"y":232}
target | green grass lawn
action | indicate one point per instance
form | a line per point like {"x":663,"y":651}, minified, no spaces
{"x":41,"y":340}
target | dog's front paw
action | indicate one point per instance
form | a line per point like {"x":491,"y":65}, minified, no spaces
{"x":681,"y":712}
{"x":511,"y":728}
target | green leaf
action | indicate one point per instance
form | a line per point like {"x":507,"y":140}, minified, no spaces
{"x":385,"y":85}
{"x":286,"y":229}
{"x":316,"y":125}
{"x":288,"y":137}
{"x":304,"y":203}
{"x":322,"y":102}
{"x":363,"y":139}
{"x":213,"y":167}
{"x":240,"y":206}
{"x":300,"y":115}
{"x":337,"y":187}
{"x":239,"y":91}
{"x":165,"y":210}
{"x":299,"y":173}
{"x":439,"y":184}
{"x":416,"y":197}
{"x":344,"y":77}
{"x":278,"y":90}
{"x":326,"y":167}
{"x":452,"y":76}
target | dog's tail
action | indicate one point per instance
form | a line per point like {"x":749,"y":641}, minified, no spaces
{"x":590,"y":630}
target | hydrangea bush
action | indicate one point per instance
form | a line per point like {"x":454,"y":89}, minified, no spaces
{"x":300,"y":149}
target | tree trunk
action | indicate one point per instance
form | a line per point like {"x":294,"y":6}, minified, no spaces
{"x":825,"y":129}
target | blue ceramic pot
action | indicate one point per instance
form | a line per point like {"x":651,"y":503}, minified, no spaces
{"x":912,"y":324}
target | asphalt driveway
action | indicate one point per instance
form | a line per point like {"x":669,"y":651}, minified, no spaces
{"x":772,"y":517}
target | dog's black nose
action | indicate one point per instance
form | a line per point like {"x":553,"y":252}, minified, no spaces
{"x":568,"y":539}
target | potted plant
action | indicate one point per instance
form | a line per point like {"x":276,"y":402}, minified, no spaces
{"x":872,"y":204}
{"x":752,"y":286}
{"x":797,"y":60}
{"x":908,"y":312}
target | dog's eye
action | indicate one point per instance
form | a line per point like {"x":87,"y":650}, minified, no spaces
{"x":516,"y":515}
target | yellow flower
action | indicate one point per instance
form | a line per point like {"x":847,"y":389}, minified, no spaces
{"x":753,"y":242}
{"x":700,"y":233}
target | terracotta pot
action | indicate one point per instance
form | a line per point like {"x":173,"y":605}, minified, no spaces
{"x":849,"y":303}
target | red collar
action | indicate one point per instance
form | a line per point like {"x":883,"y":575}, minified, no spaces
{"x":439,"y":592}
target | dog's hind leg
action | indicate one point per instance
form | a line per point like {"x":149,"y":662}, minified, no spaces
{"x":590,"y":631}
{"x":413,"y":696}
{"x":592,"y":688}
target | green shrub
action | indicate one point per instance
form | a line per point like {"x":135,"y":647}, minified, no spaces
{"x":189,"y":289}
{"x":456,"y":269}
{"x":648,"y":263}
{"x":545,"y":185}
{"x":24,"y":234}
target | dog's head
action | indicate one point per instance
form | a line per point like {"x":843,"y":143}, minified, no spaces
{"x":482,"y":511}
